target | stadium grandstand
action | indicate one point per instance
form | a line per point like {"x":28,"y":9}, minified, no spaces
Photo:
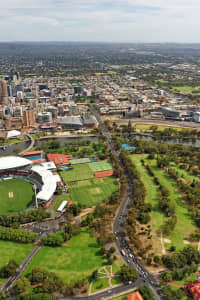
{"x":44,"y":181}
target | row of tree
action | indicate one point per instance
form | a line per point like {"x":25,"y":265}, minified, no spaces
{"x":17,"y":235}
{"x":15,"y":220}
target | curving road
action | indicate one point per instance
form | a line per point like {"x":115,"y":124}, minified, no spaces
{"x":31,"y":144}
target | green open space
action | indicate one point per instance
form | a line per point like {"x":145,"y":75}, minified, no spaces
{"x":76,"y":173}
{"x":59,"y":200}
{"x":100,"y":284}
{"x":75,"y":260}
{"x":92,"y":191}
{"x":100,"y":166}
{"x":177,"y":288}
{"x":183,"y":89}
{"x":184,"y":173}
{"x":15,"y":195}
{"x":10,"y":250}
{"x":160,"y":127}
{"x":185,"y":224}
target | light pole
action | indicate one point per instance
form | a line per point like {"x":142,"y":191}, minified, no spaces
{"x":36,"y":202}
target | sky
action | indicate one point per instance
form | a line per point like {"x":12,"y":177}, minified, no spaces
{"x":100,"y":20}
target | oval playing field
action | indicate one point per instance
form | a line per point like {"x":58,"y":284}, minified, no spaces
{"x":15,"y":195}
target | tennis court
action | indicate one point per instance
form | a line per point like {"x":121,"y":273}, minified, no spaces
{"x":100,"y":166}
{"x":81,"y":161}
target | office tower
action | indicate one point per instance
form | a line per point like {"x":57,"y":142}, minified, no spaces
{"x":3,"y":92}
{"x":29,"y":118}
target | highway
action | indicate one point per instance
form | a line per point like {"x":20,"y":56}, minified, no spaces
{"x":118,"y":227}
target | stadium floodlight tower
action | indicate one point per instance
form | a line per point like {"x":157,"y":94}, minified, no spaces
{"x":36,"y":202}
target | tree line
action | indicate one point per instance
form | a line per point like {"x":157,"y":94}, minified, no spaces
{"x":29,"y":216}
{"x":17,"y":235}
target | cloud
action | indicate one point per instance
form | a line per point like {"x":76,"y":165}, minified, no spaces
{"x":103,"y":20}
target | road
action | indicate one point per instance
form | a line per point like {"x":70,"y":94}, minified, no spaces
{"x":31,"y":144}
{"x":118,"y":228}
{"x":122,"y":289}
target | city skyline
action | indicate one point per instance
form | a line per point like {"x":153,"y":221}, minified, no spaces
{"x":106,"y":21}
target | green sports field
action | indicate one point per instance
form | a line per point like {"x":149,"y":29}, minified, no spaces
{"x":92,"y":191}
{"x":15,"y":195}
{"x":73,"y":261}
{"x":78,"y":172}
{"x":100,"y":166}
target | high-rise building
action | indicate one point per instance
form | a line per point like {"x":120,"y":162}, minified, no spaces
{"x":45,"y":117}
{"x":3,"y":92}
{"x":29,"y":118}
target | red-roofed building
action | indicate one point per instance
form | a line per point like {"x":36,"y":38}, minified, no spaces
{"x":59,"y":159}
{"x":35,"y":156}
{"x":70,"y":202}
{"x":33,"y":153}
{"x":134,"y":296}
{"x":194,"y":289}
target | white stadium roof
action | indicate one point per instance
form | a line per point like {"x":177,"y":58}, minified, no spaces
{"x":49,"y":183}
{"x":12,"y":162}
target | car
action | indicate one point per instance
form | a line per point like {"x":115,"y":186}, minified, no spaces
{"x":109,"y":291}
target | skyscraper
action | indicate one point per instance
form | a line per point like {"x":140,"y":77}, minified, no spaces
{"x":29,"y":118}
{"x":3,"y":92}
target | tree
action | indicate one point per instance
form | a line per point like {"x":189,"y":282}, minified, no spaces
{"x":21,"y":286}
{"x":9,"y":269}
{"x":94,"y":275}
{"x":146,"y":293}
{"x":127,"y":274}
{"x":166,"y":276}
{"x":38,"y":275}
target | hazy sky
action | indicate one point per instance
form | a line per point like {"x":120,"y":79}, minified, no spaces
{"x":100,"y":20}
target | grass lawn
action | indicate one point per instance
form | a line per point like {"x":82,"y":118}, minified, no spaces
{"x":188,"y":89}
{"x":78,"y":172}
{"x":73,"y":261}
{"x":93,"y":191}
{"x":185,"y":223}
{"x":59,"y":200}
{"x":21,"y":195}
{"x":100,"y":284}
{"x":185,"y":174}
{"x":10,"y":250}
{"x":160,"y":127}
{"x":185,"y":281}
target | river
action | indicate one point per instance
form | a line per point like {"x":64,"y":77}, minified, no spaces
{"x":23,"y":145}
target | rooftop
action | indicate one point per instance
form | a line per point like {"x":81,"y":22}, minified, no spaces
{"x":12,"y":162}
